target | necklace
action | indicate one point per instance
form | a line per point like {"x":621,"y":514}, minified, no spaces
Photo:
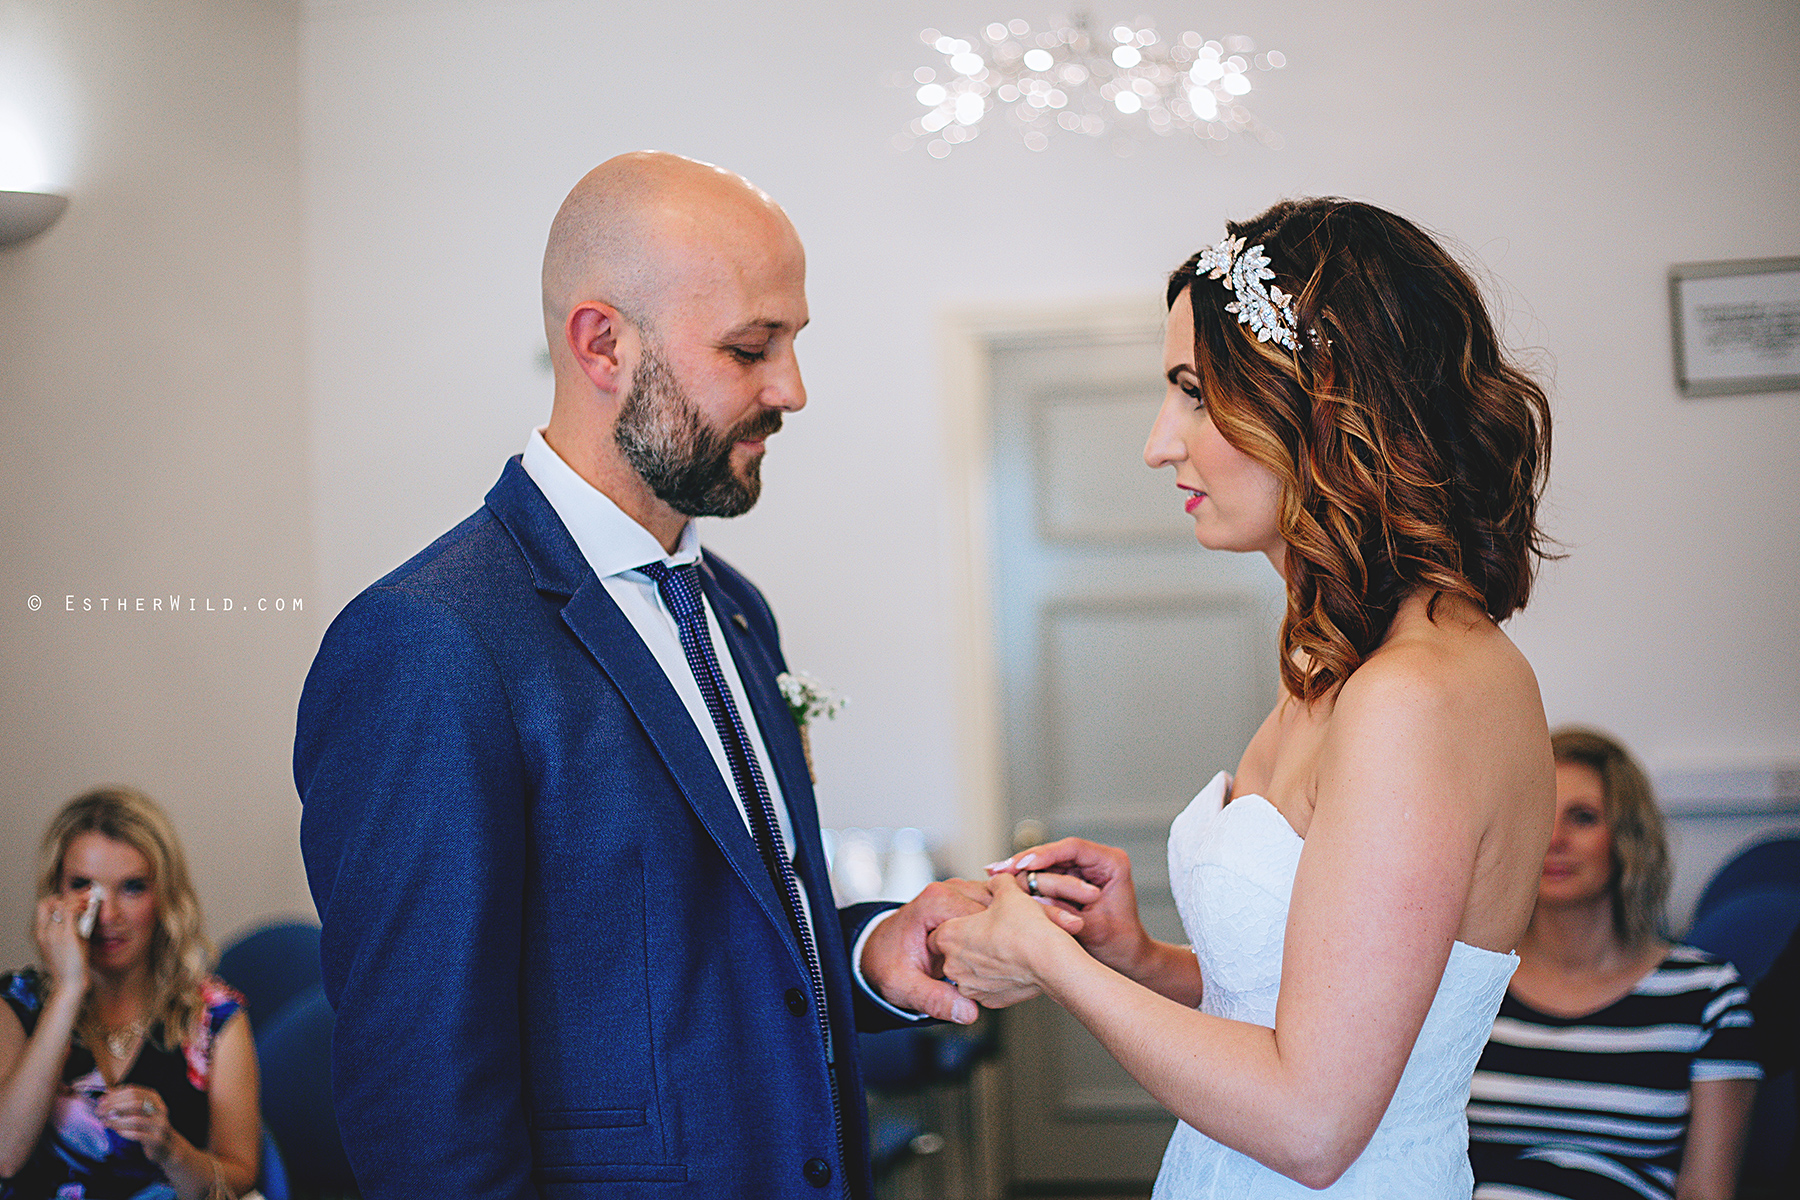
{"x":118,"y":1041}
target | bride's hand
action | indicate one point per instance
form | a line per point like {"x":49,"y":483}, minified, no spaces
{"x":990,"y":955}
{"x":1094,"y":882}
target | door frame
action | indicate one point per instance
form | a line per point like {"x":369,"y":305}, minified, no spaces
{"x":966,"y":336}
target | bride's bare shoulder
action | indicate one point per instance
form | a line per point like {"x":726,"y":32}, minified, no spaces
{"x":1452,"y":678}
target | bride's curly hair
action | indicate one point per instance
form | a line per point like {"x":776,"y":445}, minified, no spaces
{"x":1411,"y":452}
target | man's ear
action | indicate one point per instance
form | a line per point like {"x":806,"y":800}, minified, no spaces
{"x":594,"y":332}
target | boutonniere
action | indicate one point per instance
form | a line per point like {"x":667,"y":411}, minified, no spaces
{"x":808,"y":699}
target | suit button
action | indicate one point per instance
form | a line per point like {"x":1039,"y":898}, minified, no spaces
{"x":796,"y":1004}
{"x":817,"y":1172}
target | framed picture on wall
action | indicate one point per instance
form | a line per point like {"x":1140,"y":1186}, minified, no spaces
{"x":1737,"y":326}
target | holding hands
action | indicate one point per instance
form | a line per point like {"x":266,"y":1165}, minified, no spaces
{"x":1045,"y":902}
{"x":1093,"y":882}
{"x":998,"y":942}
{"x":901,"y":962}
{"x":996,"y":956}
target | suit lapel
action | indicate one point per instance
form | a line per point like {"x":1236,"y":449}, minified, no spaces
{"x":593,"y":617}
{"x":590,"y":614}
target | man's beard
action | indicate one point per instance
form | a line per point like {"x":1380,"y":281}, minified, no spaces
{"x":685,"y":461}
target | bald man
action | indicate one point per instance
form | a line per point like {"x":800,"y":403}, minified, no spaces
{"x":557,"y":821}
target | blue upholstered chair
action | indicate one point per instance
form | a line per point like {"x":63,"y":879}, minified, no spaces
{"x":295,"y":1051}
{"x":271,"y":1179}
{"x":271,"y":965}
{"x":921,"y":1109}
{"x":276,"y":967}
{"x":1748,"y":928}
{"x":1770,"y":864}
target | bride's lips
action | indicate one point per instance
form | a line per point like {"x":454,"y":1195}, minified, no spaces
{"x":1193,"y":501}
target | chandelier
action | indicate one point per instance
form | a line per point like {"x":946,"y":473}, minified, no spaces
{"x":1069,"y":81}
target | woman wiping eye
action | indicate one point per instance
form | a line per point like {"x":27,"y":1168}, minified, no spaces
{"x":128,"y":1070}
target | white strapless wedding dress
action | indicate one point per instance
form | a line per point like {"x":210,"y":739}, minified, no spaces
{"x":1232,"y":871}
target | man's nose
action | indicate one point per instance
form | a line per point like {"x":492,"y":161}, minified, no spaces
{"x":787,"y":391}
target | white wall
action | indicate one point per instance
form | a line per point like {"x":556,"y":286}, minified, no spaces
{"x":1575,"y":151}
{"x":151,"y":414}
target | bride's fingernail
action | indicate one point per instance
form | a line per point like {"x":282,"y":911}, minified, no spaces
{"x":1026,"y":861}
{"x":995,"y":866}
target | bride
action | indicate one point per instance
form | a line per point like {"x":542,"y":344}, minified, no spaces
{"x":1337,"y":400}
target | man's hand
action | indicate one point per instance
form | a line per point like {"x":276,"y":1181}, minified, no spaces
{"x":897,"y":960}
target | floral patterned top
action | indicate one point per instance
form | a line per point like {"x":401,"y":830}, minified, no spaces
{"x":77,"y":1157}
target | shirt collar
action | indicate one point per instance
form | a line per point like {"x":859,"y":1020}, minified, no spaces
{"x":612,"y":542}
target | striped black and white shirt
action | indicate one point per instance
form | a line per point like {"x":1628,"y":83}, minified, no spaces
{"x":1596,"y":1107}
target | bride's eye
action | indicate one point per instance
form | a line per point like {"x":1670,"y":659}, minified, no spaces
{"x":1184,"y":380}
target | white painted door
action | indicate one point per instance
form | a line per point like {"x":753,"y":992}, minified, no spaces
{"x":1132,"y":664}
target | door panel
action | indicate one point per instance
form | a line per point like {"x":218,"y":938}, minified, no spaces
{"x":1133,"y":665}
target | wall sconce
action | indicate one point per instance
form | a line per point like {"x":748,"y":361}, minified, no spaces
{"x":26,"y":214}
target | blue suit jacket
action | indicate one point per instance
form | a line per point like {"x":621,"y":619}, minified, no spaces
{"x":559,"y":966}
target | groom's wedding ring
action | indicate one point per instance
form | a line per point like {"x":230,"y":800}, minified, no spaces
{"x":1031,"y":883}
{"x":148,"y":1107}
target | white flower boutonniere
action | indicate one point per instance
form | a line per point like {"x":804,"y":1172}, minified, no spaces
{"x":807,"y":699}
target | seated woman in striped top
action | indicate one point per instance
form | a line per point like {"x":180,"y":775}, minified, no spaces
{"x":1620,"y":1066}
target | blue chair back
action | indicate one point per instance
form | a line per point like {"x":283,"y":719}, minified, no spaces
{"x":1748,"y":929}
{"x":295,"y":1052}
{"x":271,"y":965}
{"x":1771,"y":864}
{"x":271,"y":1179}
{"x":894,"y":1060}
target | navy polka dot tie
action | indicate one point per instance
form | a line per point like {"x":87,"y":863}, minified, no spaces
{"x":680,"y":587}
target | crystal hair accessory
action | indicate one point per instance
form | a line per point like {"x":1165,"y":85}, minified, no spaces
{"x":1269,"y":312}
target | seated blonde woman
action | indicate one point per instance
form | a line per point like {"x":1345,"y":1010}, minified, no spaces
{"x":1620,"y":1066}
{"x":126,"y":1070}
